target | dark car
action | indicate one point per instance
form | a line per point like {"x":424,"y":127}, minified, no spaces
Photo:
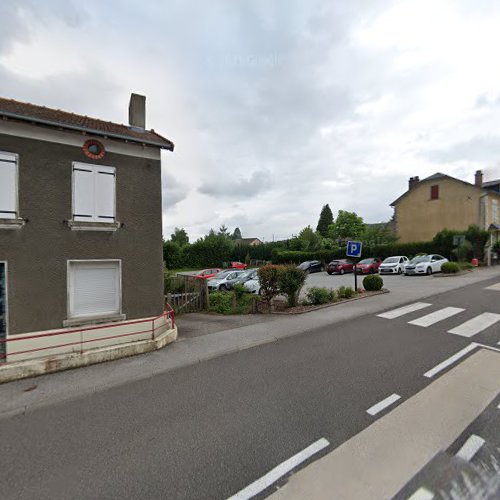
{"x":368,"y":266}
{"x":242,"y":278}
{"x":311,"y":266}
{"x":340,"y":266}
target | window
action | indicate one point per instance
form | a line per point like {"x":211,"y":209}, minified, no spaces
{"x":94,"y":193}
{"x":8,"y":186}
{"x":94,"y":288}
{"x":435,"y":192}
{"x":495,"y":216}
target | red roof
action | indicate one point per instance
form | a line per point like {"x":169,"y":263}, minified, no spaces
{"x":55,"y":117}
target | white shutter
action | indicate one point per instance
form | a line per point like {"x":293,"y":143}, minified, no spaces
{"x":94,"y":288}
{"x":83,"y":192}
{"x":8,"y":186}
{"x":104,"y":179}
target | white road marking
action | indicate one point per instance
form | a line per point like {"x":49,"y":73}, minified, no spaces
{"x":470,"y":447}
{"x":447,"y":362}
{"x":400,"y":311}
{"x":434,"y":317}
{"x":476,"y":325}
{"x":422,"y":494}
{"x":279,"y":471}
{"x":494,"y":287}
{"x":383,"y":404}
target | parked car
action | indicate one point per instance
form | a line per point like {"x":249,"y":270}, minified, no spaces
{"x":221,"y":280}
{"x":340,"y":266}
{"x":238,"y":265}
{"x":394,"y":265}
{"x":206,"y":274}
{"x":425,"y":264}
{"x":368,"y":266}
{"x":311,"y":266}
{"x":253,"y":285}
{"x":242,"y":278}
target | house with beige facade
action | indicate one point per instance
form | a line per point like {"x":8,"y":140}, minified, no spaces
{"x":443,"y":202}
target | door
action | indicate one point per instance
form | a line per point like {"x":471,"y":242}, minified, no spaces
{"x":3,"y":310}
{"x":436,"y":263}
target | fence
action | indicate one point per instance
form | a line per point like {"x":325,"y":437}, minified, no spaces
{"x":186,"y":293}
{"x":80,"y":340}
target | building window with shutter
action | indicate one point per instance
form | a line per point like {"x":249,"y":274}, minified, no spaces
{"x":434,"y":192}
{"x":94,"y":193}
{"x":94,"y":290}
{"x":8,"y":186}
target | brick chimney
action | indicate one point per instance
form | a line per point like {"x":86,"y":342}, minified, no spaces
{"x":478,"y":178}
{"x":413,"y":182}
{"x":137,"y":111}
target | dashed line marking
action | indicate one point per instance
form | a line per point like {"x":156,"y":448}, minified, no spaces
{"x":476,"y":325}
{"x":279,"y":471}
{"x":422,"y":494}
{"x":400,"y":311}
{"x":382,"y":405}
{"x":435,"y":317}
{"x":494,"y":287}
{"x":452,"y":359}
{"x":470,"y":447}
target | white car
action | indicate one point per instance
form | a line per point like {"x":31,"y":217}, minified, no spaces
{"x":222,"y":280}
{"x":394,"y":265}
{"x":253,"y":285}
{"x":425,"y":264}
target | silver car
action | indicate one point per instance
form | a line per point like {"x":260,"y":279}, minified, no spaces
{"x":222,"y":280}
{"x":425,"y":264}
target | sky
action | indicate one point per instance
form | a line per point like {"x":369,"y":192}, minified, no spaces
{"x":276,"y":107}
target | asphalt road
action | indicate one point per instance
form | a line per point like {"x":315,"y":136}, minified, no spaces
{"x":208,"y":430}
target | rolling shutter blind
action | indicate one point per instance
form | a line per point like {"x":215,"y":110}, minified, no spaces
{"x":93,"y":193}
{"x":8,"y":186}
{"x":94,"y":288}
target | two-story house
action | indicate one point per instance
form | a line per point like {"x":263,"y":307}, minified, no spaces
{"x":80,"y":227}
{"x":441,"y":201}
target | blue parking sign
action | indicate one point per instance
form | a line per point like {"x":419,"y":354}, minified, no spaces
{"x":354,"y":248}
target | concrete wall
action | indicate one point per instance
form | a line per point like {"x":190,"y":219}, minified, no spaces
{"x":418,"y":218}
{"x":38,"y":252}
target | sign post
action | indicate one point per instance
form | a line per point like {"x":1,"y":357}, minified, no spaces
{"x":354,"y":250}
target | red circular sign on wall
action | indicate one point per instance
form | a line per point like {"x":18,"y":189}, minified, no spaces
{"x":94,"y":149}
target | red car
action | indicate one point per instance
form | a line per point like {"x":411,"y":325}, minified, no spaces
{"x":340,"y":266}
{"x":238,"y":265}
{"x":206,"y":274}
{"x":368,"y":266}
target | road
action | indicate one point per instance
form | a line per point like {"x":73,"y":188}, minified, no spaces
{"x":208,"y":430}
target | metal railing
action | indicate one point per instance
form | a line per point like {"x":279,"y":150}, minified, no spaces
{"x":168,"y":314}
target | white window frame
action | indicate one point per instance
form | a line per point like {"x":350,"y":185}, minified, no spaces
{"x":93,"y":166}
{"x":495,"y":211}
{"x":6,"y":302}
{"x":71,"y":319}
{"x":16,"y":157}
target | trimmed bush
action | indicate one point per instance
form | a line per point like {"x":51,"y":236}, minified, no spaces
{"x":291,"y":279}
{"x":268,"y":279}
{"x":450,"y":268}
{"x":221,"y":302}
{"x":316,"y":295}
{"x":345,"y":292}
{"x":373,"y":283}
{"x":465,"y":266}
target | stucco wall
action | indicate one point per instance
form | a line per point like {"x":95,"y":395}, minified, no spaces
{"x":38,"y":252}
{"x":418,"y":218}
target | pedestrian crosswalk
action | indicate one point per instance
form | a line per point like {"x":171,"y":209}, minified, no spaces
{"x":468,"y":327}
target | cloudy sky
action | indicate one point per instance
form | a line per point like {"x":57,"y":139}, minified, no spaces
{"x":276,"y":107}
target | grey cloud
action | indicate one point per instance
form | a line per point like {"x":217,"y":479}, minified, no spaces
{"x":478,"y":149}
{"x":173,"y":191}
{"x":237,"y":187}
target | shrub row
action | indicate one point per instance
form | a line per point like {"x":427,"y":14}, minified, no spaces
{"x":288,"y":280}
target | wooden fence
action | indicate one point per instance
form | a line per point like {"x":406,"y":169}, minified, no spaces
{"x":186,"y":294}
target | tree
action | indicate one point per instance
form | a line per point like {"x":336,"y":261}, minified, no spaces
{"x":291,"y":279}
{"x":180,"y":237}
{"x":223,"y":231}
{"x":310,"y":240}
{"x":237,"y":234}
{"x":378,"y":234}
{"x":325,"y":220}
{"x":347,"y":225}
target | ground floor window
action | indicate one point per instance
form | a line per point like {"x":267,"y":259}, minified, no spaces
{"x":3,"y":309}
{"x":94,"y":288}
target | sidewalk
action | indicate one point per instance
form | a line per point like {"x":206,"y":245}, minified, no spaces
{"x":25,"y":395}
